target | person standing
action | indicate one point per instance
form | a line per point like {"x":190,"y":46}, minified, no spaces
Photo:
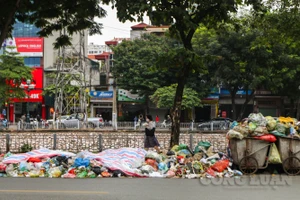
{"x":156,"y":119}
{"x":135,"y":120}
{"x":150,"y":139}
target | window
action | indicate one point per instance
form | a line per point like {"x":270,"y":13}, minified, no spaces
{"x":103,"y":80}
{"x":25,"y":30}
{"x":32,"y":61}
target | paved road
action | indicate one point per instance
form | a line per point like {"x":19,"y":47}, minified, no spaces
{"x":149,"y":188}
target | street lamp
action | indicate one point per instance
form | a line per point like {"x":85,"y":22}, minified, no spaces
{"x":27,"y":87}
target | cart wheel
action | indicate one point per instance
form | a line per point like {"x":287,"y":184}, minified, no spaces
{"x":291,"y":165}
{"x":248,"y":165}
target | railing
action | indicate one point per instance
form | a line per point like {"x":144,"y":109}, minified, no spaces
{"x":96,"y":142}
{"x":120,"y":126}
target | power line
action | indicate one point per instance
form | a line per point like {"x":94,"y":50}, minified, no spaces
{"x":123,"y":30}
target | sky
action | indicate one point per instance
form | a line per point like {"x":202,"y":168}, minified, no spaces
{"x":112,"y":27}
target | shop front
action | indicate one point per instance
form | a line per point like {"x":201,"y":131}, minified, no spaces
{"x":102,"y":104}
{"x":33,"y":103}
{"x":130,"y":105}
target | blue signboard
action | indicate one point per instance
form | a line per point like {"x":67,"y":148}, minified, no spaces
{"x":239,"y":92}
{"x":101,"y":94}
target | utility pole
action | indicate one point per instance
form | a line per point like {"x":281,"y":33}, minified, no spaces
{"x":114,"y":114}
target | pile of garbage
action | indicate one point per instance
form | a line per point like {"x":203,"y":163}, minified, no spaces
{"x":264,"y":128}
{"x":179,"y":162}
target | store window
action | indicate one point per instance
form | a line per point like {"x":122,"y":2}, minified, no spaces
{"x":32,"y":61}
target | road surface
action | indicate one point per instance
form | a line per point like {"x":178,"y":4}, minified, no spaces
{"x":148,"y":188}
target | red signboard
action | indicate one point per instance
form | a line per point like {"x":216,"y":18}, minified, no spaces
{"x":36,"y":87}
{"x":26,"y":46}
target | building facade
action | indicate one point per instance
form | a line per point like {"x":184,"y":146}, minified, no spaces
{"x":30,"y":46}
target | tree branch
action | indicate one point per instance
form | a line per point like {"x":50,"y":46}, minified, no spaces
{"x":4,"y":31}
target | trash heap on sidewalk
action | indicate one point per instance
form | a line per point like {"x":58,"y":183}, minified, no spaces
{"x":179,"y":162}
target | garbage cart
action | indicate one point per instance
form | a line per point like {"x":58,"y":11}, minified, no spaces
{"x":249,"y":154}
{"x":289,"y":149}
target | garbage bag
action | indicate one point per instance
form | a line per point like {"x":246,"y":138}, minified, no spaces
{"x":153,"y":155}
{"x":147,"y":169}
{"x":105,"y":174}
{"x":234,"y":134}
{"x":34,"y":174}
{"x":69,"y":175}
{"x":81,"y":162}
{"x":211,"y":172}
{"x":34,"y":160}
{"x":182,"y":146}
{"x":204,"y":144}
{"x":62,"y":160}
{"x":118,"y":173}
{"x":242,"y":129}
{"x":184,"y":152}
{"x":271,"y":123}
{"x":162,"y":167}
{"x":96,"y":170}
{"x":268,"y":138}
{"x":55,"y":172}
{"x":258,"y":119}
{"x":152,"y":163}
{"x":233,"y":124}
{"x":91,"y":174}
{"x":221,"y":165}
{"x":170,"y":153}
{"x":276,"y":133}
{"x":2,"y":168}
{"x":23,"y":166}
{"x":82,"y":174}
{"x":260,"y":130}
{"x":292,"y":131}
{"x":252,"y":126}
{"x":280,"y":128}
{"x":170,"y":174}
{"x":175,"y":148}
{"x":274,"y":157}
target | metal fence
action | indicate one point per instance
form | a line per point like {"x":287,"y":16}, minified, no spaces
{"x":96,"y":142}
{"x":107,"y":126}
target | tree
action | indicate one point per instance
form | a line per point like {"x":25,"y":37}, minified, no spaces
{"x":135,"y":65}
{"x":137,"y":68}
{"x":184,"y":17}
{"x":252,"y":57}
{"x":282,"y":27}
{"x":164,"y":97}
{"x":57,"y":15}
{"x":12,"y":73}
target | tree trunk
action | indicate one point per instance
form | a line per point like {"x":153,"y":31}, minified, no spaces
{"x":176,"y":112}
{"x":248,"y":99}
{"x":5,"y":28}
{"x":233,"y":107}
{"x":298,"y":109}
{"x":147,"y":104}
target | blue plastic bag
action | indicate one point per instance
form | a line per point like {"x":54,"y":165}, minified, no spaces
{"x":81,"y":162}
{"x":235,"y":123}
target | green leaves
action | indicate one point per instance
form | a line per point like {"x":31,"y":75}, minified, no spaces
{"x":164,"y":97}
{"x":56,"y":15}
{"x":12,"y":71}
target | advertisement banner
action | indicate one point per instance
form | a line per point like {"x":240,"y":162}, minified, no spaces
{"x":126,"y":96}
{"x":36,"y":87}
{"x":27,"y":46}
{"x":101,"y":94}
